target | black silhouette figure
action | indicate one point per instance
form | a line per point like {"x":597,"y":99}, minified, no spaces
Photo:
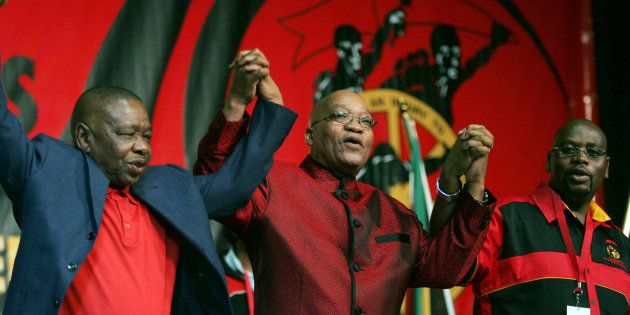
{"x":436,"y":83}
{"x":353,"y":66}
{"x":384,"y":169}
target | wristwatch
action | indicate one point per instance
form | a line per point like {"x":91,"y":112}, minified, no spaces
{"x":446,"y":196}
{"x":486,"y":198}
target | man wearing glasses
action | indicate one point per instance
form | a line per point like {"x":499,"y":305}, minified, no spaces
{"x":556,"y":251}
{"x":321,"y":242}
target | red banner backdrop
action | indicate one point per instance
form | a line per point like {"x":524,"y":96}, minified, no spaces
{"x":521,"y":92}
{"x":515,"y":66}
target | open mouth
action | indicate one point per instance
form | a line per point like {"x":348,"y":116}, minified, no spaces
{"x":137,"y":166}
{"x":578,"y":175}
{"x":353,"y":142}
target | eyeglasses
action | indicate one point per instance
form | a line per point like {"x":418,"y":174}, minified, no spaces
{"x":567,"y":150}
{"x":345,"y":118}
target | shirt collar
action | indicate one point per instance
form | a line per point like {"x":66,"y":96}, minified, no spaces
{"x":330,"y":181}
{"x":123,"y":192}
{"x":598,"y":213}
{"x":543,"y":197}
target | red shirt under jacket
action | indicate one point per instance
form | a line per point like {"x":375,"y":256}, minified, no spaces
{"x":321,"y":244}
{"x":131,"y":268}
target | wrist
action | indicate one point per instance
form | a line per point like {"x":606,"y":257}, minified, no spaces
{"x":446,"y":193}
{"x":275,"y":100}
{"x":484,"y":199}
{"x":449,"y":183}
{"x":234,"y":108}
{"x":476,"y":190}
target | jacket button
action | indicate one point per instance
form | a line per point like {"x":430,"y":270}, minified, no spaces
{"x":356,"y":223}
{"x":356,"y":267}
{"x":55,"y":303}
{"x":91,"y":236}
{"x":201,"y":275}
{"x":72,"y":266}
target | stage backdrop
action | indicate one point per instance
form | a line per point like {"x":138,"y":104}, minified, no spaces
{"x":519,"y":67}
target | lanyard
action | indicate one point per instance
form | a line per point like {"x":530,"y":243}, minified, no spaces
{"x":579,"y":263}
{"x":249,"y":291}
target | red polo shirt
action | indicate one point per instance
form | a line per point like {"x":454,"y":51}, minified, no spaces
{"x":131,"y":268}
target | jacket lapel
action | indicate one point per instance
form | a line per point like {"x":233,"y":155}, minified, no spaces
{"x":175,"y":203}
{"x":98,"y":184}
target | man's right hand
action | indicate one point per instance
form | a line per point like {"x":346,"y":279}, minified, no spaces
{"x":479,"y":141}
{"x":249,"y":68}
{"x":468,"y":157}
{"x":268,"y":90}
{"x":396,"y":20}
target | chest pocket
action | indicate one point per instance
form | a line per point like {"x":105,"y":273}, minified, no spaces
{"x":394,"y":237}
{"x":395,"y":245}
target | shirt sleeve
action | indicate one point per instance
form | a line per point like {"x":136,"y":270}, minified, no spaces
{"x":218,"y":142}
{"x":19,"y":157}
{"x":240,"y":221}
{"x":491,"y":248}
{"x":216,"y":148}
{"x":447,"y":257}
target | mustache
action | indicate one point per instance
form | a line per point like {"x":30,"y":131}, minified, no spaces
{"x":577,"y":170}
{"x":139,"y":162}
{"x":353,"y":139}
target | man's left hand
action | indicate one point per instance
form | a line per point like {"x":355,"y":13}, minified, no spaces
{"x":468,"y":156}
{"x":249,"y":67}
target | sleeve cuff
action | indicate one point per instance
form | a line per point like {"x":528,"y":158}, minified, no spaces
{"x":475,"y":212}
{"x":225,"y":134}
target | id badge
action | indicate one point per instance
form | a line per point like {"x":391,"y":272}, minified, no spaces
{"x":572,"y":310}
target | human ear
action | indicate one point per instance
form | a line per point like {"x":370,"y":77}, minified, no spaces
{"x":83,"y":137}
{"x":548,"y":165}
{"x":308,"y":136}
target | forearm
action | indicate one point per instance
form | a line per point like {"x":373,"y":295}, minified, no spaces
{"x":443,"y":210}
{"x":248,"y":164}
{"x":441,"y":213}
{"x":234,"y":108}
{"x":455,"y":246}
{"x":17,"y":152}
{"x":468,"y":157}
{"x":217,"y":144}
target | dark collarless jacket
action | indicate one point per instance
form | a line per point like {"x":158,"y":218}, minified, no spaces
{"x":58,"y":194}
